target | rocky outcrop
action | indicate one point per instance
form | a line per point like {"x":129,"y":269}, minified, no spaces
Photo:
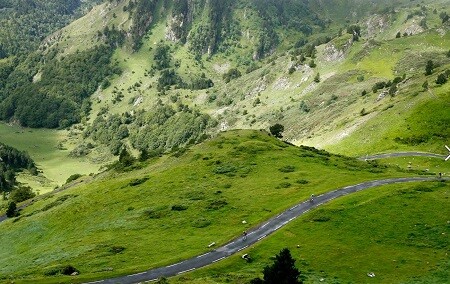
{"x":176,"y":28}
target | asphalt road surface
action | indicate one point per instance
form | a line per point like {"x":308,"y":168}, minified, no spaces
{"x":402,"y":154}
{"x":254,"y":235}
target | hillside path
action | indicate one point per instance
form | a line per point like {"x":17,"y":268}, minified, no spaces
{"x":401,"y":154}
{"x":255,"y":234}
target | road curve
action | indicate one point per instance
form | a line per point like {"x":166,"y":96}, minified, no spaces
{"x":401,"y":154}
{"x":254,"y":235}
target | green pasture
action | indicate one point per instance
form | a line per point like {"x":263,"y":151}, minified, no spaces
{"x":398,"y":232}
{"x":50,"y":150}
{"x":426,"y":164}
{"x":171,"y":209}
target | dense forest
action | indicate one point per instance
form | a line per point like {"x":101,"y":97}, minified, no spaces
{"x":25,"y":23}
{"x":60,"y":97}
{"x":11,"y":162}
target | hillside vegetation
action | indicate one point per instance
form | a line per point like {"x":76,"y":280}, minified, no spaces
{"x":346,"y":239}
{"x":175,"y":97}
{"x":164,"y":73}
{"x":170,"y":208}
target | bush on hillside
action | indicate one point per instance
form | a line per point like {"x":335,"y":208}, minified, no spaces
{"x":277,"y":130}
{"x":21,"y":194}
{"x":287,"y":169}
{"x":282,"y":270}
{"x":73,"y":177}
{"x":12,"y":210}
{"x":442,"y":79}
{"x":61,"y":270}
{"x":232,"y":74}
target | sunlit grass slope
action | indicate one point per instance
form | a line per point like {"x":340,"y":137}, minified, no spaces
{"x":172,"y":208}
{"x":50,"y":150}
{"x":398,"y":232}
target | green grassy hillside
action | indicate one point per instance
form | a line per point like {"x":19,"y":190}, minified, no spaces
{"x":348,"y":238}
{"x":50,"y":150}
{"x":171,"y":208}
{"x":174,"y":75}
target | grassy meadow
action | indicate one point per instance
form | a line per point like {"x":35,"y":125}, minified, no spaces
{"x":50,"y":150}
{"x":398,"y":232}
{"x":173,"y":207}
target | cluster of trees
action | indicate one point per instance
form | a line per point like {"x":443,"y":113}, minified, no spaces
{"x":61,"y":96}
{"x":163,"y":62}
{"x":112,"y":37}
{"x":355,"y":31}
{"x":11,"y":162}
{"x":392,"y":85}
{"x":110,"y":131}
{"x":165,"y":129}
{"x":161,"y":129}
{"x":209,"y":35}
{"x":232,"y":74}
{"x":441,"y":79}
{"x":286,"y":14}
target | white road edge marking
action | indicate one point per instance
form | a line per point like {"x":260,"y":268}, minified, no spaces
{"x":185,"y":271}
{"x":219,"y":259}
{"x":136,"y":274}
{"x":262,"y":237}
{"x":205,"y":254}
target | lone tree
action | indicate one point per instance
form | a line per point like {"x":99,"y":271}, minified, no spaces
{"x":441,"y":79}
{"x":276,"y":130}
{"x":11,"y":211}
{"x":282,"y":271}
{"x":125,"y":158}
{"x":429,"y":68}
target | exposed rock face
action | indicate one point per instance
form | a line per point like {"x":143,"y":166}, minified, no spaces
{"x":376,"y":25}
{"x":175,"y":30}
{"x":414,"y":28}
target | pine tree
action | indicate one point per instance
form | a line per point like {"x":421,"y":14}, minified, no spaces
{"x":11,"y":211}
{"x":429,"y":68}
{"x":125,"y":158}
{"x":283,"y":270}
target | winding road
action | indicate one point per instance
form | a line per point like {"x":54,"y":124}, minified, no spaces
{"x":253,"y":236}
{"x":401,"y":154}
{"x":264,"y":229}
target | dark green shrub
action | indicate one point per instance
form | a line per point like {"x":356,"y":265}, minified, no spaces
{"x":21,"y":194}
{"x":73,"y":177}
{"x":287,"y":169}
{"x":64,"y":270}
{"x":116,"y":249}
{"x":225,"y":169}
{"x":179,"y":207}
{"x":156,"y":213}
{"x":201,"y":223}
{"x":217,"y":204}
{"x":138,"y":181}
{"x":285,"y":184}
{"x":69,"y":270}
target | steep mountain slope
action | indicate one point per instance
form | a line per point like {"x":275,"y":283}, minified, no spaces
{"x":158,"y":75}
